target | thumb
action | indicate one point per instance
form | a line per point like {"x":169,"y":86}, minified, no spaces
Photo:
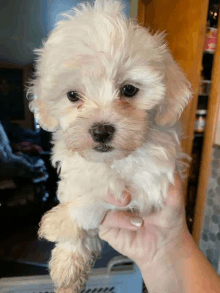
{"x":121,"y":220}
{"x":114,"y":221}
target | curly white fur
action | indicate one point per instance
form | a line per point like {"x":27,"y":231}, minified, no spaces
{"x":95,"y":51}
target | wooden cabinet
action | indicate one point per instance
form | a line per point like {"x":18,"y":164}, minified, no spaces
{"x":185,"y":25}
{"x":209,"y":139}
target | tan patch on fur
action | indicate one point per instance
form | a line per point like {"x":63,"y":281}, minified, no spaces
{"x":123,"y":104}
{"x":135,"y":124}
{"x":69,"y":270}
{"x":43,"y":114}
{"x":63,"y":290}
{"x":69,"y":267}
{"x":130,"y":123}
{"x":74,"y":254}
{"x":178,"y":94}
{"x":56,"y":225}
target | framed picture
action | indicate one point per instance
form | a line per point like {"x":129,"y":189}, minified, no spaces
{"x":11,"y":94}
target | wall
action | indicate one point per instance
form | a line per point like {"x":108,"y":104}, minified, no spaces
{"x":24,"y":23}
{"x":23,"y":26}
{"x":210,"y":238}
{"x":133,"y":8}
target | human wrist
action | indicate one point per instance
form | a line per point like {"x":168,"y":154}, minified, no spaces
{"x":168,"y":257}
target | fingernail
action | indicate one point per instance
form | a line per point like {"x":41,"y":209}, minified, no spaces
{"x":136,"y":221}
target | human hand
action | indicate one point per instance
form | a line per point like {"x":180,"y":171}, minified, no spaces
{"x":146,"y":240}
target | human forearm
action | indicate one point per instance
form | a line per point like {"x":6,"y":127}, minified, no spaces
{"x":163,"y":248}
{"x":183,"y":269}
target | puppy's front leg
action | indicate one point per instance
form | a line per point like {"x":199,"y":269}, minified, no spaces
{"x":75,"y":250}
{"x":71,"y":263}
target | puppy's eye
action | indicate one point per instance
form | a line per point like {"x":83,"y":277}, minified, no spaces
{"x":73,"y":96}
{"x":129,"y":90}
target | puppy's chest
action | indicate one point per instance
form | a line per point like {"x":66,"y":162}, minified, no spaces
{"x":140,"y":175}
{"x":92,"y":182}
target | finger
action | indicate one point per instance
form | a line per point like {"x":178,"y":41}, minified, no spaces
{"x":174,"y":194}
{"x":172,"y":213}
{"x":121,"y":220}
{"x":125,"y":200}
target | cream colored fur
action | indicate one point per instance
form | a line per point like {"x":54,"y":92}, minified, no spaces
{"x":95,"y":51}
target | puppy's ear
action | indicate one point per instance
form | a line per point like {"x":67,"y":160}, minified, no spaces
{"x":177,"y":96}
{"x":43,"y":114}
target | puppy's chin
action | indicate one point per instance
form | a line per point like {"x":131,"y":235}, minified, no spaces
{"x":103,"y":154}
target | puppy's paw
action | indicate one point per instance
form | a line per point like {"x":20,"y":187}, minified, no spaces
{"x":56,"y":225}
{"x":69,"y":268}
{"x":63,"y":290}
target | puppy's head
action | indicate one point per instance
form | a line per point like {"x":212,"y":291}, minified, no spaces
{"x":101,"y":81}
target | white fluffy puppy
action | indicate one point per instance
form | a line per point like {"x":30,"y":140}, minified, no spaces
{"x":112,"y":94}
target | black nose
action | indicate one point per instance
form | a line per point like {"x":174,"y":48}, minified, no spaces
{"x":102,"y":132}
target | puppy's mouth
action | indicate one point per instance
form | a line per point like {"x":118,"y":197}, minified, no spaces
{"x":103,"y":148}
